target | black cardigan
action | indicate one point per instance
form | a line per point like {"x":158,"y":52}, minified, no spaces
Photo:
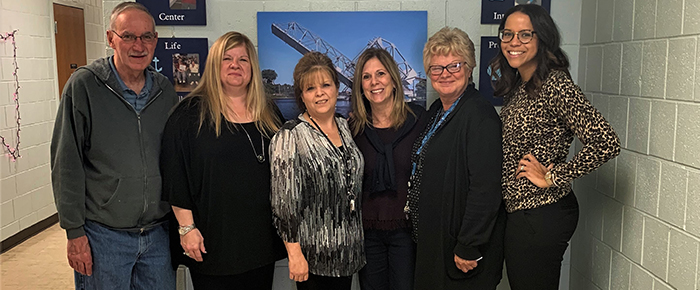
{"x":460,"y":209}
{"x":227,"y":189}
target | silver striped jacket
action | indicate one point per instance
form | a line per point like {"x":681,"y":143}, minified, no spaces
{"x":312,"y":185}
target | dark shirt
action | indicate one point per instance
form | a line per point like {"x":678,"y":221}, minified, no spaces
{"x":227,"y":189}
{"x":455,"y":197}
{"x":385,"y":210}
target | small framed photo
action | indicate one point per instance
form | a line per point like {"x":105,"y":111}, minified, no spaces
{"x":182,"y":61}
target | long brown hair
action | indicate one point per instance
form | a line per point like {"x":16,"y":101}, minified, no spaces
{"x":361,"y":107}
{"x":211,"y":91}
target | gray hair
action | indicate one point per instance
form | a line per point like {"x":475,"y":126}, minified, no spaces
{"x":121,"y":7}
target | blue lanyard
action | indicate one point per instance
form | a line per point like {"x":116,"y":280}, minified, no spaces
{"x":433,"y":128}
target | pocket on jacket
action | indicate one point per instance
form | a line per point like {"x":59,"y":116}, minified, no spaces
{"x":125,"y":205}
{"x":452,"y":271}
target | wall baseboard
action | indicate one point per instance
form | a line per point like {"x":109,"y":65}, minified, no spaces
{"x":27,"y":233}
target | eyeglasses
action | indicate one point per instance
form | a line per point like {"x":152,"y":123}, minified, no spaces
{"x":525,"y":36}
{"x":452,"y":68}
{"x":147,"y":37}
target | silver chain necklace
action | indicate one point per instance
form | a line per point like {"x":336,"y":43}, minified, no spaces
{"x":260,"y":157}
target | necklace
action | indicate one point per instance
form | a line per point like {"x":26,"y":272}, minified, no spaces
{"x":346,"y":158}
{"x":437,"y":122}
{"x":261,"y":156}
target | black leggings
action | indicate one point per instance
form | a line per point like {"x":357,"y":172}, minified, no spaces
{"x":535,"y":242}
{"x":316,"y":282}
{"x":256,"y":279}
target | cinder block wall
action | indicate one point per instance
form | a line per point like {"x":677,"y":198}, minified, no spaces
{"x":640,"y":220}
{"x":25,"y":190}
{"x":227,"y":15}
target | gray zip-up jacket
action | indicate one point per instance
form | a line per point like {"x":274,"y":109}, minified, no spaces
{"x":104,"y":154}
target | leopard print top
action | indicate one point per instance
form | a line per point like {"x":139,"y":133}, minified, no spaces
{"x":545,"y":126}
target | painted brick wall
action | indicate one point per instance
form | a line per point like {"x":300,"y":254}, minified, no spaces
{"x":640,"y":219}
{"x":25,"y":189}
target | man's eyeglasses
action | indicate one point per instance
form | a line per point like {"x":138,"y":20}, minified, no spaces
{"x":147,"y":37}
{"x":525,"y":36}
{"x":452,"y":68}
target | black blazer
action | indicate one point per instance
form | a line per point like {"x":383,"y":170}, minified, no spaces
{"x":460,"y":205}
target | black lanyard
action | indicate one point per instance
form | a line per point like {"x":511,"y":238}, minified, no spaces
{"x":345,"y":155}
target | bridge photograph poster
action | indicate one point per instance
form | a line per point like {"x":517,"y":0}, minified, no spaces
{"x":284,"y":37}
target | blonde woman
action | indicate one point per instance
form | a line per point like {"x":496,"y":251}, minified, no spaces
{"x":455,"y":188}
{"x":216,"y":172}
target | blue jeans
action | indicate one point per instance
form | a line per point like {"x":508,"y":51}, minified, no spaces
{"x":391,"y":260}
{"x":128,"y":260}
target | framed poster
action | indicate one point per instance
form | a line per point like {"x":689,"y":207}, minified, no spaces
{"x":284,"y":37}
{"x":492,"y":10}
{"x":182,"y":61}
{"x":490,"y":47}
{"x":177,"y":12}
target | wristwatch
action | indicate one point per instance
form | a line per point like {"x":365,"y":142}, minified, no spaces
{"x":549,"y":178}
{"x":183,"y":230}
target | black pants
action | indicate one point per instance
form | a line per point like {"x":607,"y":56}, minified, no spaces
{"x":391,"y":260}
{"x":535,"y":242}
{"x":256,"y":279}
{"x":316,"y":282}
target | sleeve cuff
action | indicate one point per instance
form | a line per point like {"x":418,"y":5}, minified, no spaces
{"x":75,"y":233}
{"x":467,"y":252}
{"x":289,"y":238}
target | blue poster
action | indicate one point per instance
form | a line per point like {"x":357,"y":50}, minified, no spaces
{"x":177,"y":12}
{"x":492,"y":10}
{"x":490,"y":47}
{"x":182,"y":61}
{"x":284,"y":37}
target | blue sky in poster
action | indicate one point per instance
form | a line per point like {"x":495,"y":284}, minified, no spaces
{"x":348,"y":32}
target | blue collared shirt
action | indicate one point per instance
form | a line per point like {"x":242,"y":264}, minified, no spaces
{"x":136,"y":101}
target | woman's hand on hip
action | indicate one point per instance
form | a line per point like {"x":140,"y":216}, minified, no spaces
{"x":193,"y":244}
{"x":533,"y":170}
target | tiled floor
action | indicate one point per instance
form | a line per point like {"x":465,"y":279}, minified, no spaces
{"x":38,"y":263}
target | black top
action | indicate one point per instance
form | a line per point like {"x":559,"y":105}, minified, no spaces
{"x":383,"y":210}
{"x":227,"y":189}
{"x":455,"y":196}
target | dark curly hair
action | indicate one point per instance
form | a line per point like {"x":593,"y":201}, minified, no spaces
{"x":549,"y":55}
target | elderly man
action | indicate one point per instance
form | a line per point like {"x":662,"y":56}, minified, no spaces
{"x":104,"y":162}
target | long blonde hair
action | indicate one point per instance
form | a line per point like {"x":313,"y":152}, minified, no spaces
{"x":361,"y":108}
{"x":211,"y":91}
